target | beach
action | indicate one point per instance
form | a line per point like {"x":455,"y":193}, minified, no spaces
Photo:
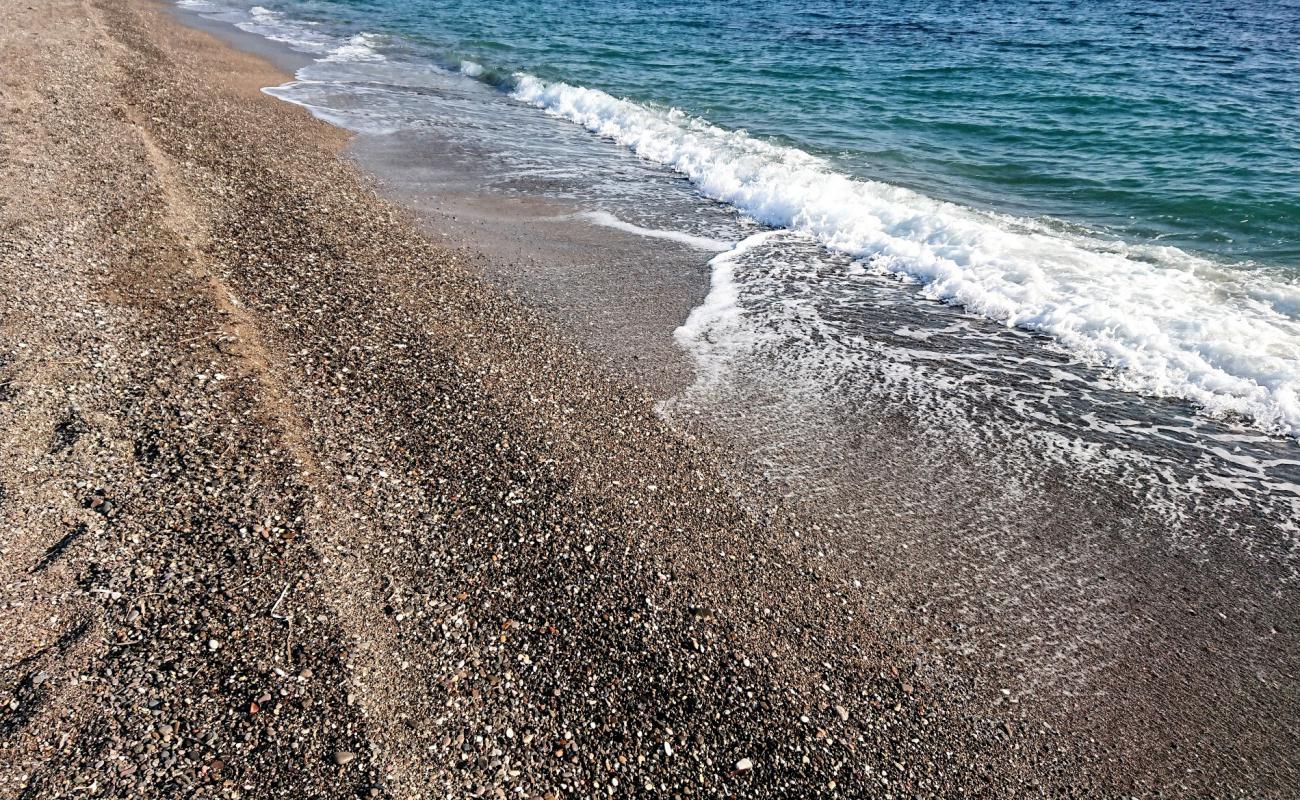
{"x":303,"y":494}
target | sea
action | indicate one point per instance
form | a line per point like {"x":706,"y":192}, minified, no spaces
{"x":1008,"y":290}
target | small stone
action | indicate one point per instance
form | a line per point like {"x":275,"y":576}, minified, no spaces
{"x":342,"y":757}
{"x":744,"y":765}
{"x":214,"y":645}
{"x":843,"y":712}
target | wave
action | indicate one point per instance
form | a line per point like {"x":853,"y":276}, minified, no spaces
{"x":358,"y":48}
{"x":277,"y":27}
{"x":1169,"y":322}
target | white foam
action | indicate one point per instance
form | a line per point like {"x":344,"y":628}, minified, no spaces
{"x":1170,"y":322}
{"x":275,"y":26}
{"x":358,"y":48}
{"x":472,"y":69}
{"x":608,"y":220}
{"x":316,"y":96}
{"x":720,"y":315}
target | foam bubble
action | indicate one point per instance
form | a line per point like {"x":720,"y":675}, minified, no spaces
{"x":358,"y":48}
{"x":608,"y":220}
{"x":720,"y":314}
{"x":278,"y":28}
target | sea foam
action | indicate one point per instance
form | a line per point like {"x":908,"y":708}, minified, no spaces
{"x":1170,"y":322}
{"x":277,"y":27}
{"x":608,"y":220}
{"x":358,"y":48}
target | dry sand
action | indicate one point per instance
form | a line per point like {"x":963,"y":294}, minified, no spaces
{"x":292,"y":504}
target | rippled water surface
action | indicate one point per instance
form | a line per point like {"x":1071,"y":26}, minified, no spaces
{"x":1170,"y":121}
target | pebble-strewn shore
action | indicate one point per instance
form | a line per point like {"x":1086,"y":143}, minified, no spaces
{"x":292,"y":505}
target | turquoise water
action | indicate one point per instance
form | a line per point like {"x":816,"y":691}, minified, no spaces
{"x":1177,"y":122}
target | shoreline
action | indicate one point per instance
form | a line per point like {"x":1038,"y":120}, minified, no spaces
{"x":443,"y":547}
{"x":1144,"y":608}
{"x":284,"y":61}
{"x":281,"y":517}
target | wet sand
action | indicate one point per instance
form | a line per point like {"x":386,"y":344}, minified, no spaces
{"x":297,"y":500}
{"x":616,"y":293}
